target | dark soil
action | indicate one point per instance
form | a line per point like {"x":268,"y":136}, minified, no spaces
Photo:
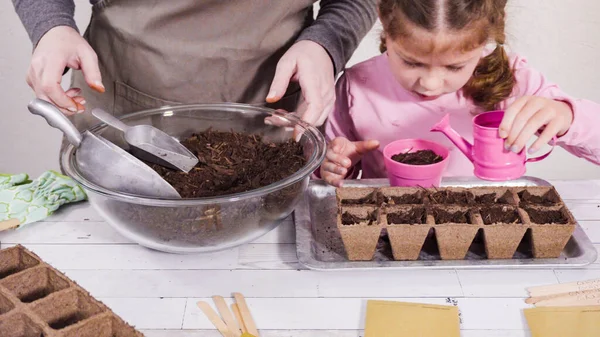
{"x":546,"y":217}
{"x":490,"y":198}
{"x":405,"y":199}
{"x":351,"y":219}
{"x":466,"y":198}
{"x":421,"y":157}
{"x":450,"y":197}
{"x":231,"y":162}
{"x":506,"y":215}
{"x":371,"y":199}
{"x":526,"y":198}
{"x":413,"y":216}
{"x":442,"y":216}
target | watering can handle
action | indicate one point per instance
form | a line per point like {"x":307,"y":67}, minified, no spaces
{"x":55,"y":118}
{"x":532,"y":160}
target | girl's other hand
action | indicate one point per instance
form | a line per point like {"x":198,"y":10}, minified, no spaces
{"x":530,"y":114}
{"x":342,"y":155}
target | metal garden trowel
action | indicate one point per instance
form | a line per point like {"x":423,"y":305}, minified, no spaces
{"x":151,"y":144}
{"x":104,"y":163}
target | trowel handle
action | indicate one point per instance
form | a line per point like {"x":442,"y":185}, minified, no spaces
{"x":109,"y":119}
{"x":56,"y":119}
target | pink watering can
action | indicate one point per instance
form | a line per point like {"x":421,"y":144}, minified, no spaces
{"x":491,"y":160}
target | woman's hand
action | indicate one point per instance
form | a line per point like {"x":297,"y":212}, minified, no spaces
{"x":308,"y":63}
{"x":530,"y":114}
{"x":343,"y":154}
{"x":62,"y":47}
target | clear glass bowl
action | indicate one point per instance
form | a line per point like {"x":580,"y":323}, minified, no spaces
{"x":204,"y":224}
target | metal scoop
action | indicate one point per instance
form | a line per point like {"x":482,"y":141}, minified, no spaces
{"x":151,"y":144}
{"x":104,"y":163}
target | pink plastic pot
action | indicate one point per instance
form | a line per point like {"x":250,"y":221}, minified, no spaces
{"x":414,"y":175}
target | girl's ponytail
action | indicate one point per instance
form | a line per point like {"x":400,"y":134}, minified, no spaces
{"x":493,"y":80}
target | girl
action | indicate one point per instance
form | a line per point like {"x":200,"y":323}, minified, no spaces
{"x":435,"y":62}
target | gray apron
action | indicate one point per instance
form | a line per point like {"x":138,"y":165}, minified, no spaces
{"x":156,"y":52}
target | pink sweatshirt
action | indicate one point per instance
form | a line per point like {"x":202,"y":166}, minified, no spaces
{"x":371,"y":104}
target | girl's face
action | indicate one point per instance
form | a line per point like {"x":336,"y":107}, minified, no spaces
{"x":432,"y":64}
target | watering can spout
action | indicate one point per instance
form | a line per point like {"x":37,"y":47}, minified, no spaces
{"x":462,"y":144}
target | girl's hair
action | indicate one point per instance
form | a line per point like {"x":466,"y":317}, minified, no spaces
{"x":493,"y":79}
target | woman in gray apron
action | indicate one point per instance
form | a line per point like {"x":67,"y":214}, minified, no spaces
{"x":140,"y":54}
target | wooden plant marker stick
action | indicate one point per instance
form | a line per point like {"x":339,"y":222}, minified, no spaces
{"x":227,"y":316}
{"x":9,"y":224}
{"x":238,"y":316}
{"x":570,"y":302}
{"x":571,"y":294}
{"x":245,"y":313}
{"x":563,"y":288}
{"x":214,"y":318}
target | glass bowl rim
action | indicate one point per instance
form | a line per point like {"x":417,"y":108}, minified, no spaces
{"x":69,"y":165}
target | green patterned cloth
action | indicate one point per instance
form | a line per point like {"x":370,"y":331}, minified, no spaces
{"x":8,"y":180}
{"x":31,"y":201}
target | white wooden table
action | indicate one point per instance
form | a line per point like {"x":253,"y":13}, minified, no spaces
{"x":157,"y":292}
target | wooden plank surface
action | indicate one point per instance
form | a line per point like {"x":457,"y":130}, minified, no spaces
{"x":157,"y":291}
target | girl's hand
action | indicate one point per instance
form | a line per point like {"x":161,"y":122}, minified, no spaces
{"x":343,"y":154}
{"x":531,"y":114}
